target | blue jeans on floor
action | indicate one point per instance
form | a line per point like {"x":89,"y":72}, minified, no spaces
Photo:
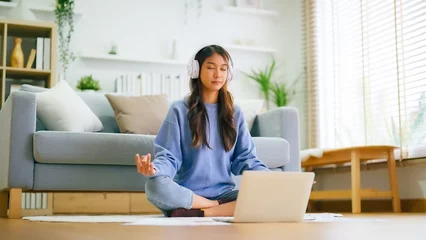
{"x":166,"y":195}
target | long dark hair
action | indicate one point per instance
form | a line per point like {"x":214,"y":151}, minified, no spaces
{"x":197,"y":114}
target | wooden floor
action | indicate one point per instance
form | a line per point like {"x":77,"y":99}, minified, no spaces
{"x":401,"y":227}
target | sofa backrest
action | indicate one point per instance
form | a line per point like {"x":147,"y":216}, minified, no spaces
{"x":100,"y":105}
{"x":96,"y":101}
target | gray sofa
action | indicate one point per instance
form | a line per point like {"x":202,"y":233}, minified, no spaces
{"x":34,"y":158}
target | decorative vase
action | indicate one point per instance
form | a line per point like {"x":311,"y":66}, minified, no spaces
{"x":17,"y":57}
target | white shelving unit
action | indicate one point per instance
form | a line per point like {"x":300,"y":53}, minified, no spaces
{"x":46,"y":9}
{"x":249,"y":48}
{"x":8,"y":4}
{"x":252,"y":11}
{"x":107,"y":57}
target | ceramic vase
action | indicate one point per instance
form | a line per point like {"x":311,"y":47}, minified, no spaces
{"x":17,"y":56}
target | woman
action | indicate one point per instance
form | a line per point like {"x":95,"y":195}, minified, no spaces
{"x":203,"y":139}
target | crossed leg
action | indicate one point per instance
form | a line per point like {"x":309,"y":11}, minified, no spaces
{"x":177,"y":201}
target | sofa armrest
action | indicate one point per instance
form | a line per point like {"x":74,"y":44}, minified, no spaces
{"x":281,"y":122}
{"x":17,"y":127}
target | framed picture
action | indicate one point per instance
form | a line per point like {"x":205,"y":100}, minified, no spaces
{"x":248,"y":3}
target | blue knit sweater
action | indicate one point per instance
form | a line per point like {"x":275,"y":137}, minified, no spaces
{"x":205,"y":171}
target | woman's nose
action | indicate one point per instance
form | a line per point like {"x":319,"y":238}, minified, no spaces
{"x":217,"y":73}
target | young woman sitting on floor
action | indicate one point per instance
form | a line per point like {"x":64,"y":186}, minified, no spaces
{"x":203,"y":139}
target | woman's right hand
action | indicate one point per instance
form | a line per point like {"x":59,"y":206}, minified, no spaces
{"x":144,"y":165}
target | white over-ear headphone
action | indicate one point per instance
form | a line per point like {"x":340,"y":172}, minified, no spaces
{"x":193,"y":68}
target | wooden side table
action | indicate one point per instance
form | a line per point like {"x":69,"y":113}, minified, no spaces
{"x":355,"y":155}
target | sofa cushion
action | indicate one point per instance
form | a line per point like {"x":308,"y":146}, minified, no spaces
{"x":139,"y":114}
{"x":273,"y":151}
{"x":61,"y":109}
{"x":90,"y":148}
{"x":120,"y":149}
{"x":96,"y":101}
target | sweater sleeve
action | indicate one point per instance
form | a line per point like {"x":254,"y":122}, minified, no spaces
{"x":244,"y":157}
{"x":168,"y":154}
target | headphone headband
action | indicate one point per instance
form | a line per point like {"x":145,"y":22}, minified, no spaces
{"x":193,"y":67}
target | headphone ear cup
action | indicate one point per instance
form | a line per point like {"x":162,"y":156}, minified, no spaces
{"x":230,"y":74}
{"x":195,"y":69}
{"x":189,"y":69}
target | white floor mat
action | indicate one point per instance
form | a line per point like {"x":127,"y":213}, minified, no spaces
{"x":160,"y":220}
{"x":92,"y":218}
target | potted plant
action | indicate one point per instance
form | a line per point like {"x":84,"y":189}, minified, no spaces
{"x":279,"y":91}
{"x":263,"y":78}
{"x":87,"y":83}
{"x":65,"y":21}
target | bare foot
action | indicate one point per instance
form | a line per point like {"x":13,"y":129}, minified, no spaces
{"x":223,"y":210}
{"x":202,"y":202}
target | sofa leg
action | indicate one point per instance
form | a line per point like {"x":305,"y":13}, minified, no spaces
{"x":4,"y":199}
{"x":15,"y":203}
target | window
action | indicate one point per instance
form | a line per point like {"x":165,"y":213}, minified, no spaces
{"x":367,"y":73}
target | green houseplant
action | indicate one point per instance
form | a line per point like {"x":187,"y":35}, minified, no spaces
{"x":65,"y":21}
{"x":279,"y":91}
{"x":264,"y":79}
{"x":88,"y":83}
{"x":280,"y":96}
{"x":282,"y":93}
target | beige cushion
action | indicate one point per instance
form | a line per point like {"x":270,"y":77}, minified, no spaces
{"x":139,"y":114}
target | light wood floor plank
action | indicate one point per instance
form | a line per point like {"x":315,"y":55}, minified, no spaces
{"x":393,"y":226}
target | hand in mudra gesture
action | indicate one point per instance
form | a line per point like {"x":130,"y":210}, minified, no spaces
{"x":144,"y":165}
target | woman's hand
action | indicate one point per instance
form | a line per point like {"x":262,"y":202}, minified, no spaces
{"x":144,"y":165}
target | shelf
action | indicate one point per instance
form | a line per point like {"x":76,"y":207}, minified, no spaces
{"x":11,"y":28}
{"x":47,"y":9}
{"x":128,"y":59}
{"x":37,"y":74}
{"x":21,"y":30}
{"x":250,"y":48}
{"x":253,"y":11}
{"x":8,"y":4}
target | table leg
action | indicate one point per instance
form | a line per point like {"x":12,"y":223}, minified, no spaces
{"x":393,"y":181}
{"x":355,"y":182}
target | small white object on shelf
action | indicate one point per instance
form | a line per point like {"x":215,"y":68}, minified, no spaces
{"x":255,"y":11}
{"x":8,"y":4}
{"x":130,"y":59}
{"x":249,"y":48}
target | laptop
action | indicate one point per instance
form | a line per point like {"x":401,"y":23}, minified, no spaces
{"x":272,"y":197}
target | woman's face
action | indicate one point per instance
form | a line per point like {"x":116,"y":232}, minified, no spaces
{"x":213,"y":72}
